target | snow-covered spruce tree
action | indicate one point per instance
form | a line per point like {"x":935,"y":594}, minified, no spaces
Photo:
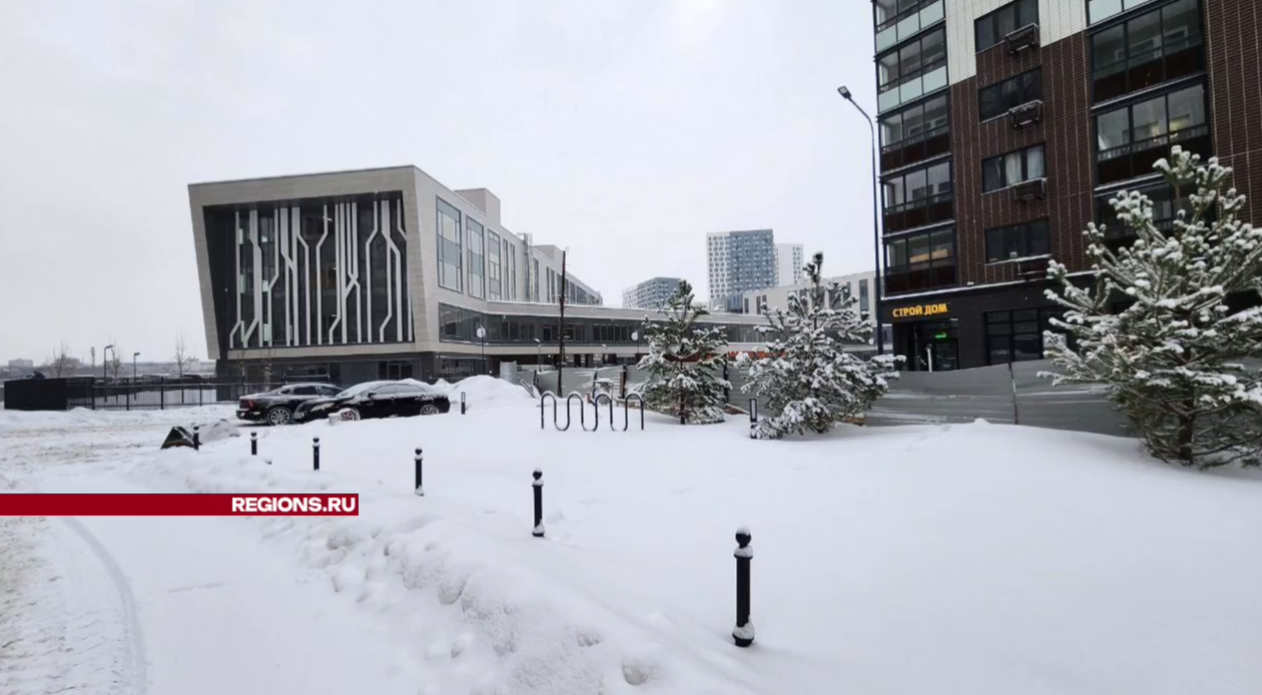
{"x":809,"y":382}
{"x":1167,"y":359}
{"x":685,"y":362}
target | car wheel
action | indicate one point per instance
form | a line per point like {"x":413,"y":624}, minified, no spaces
{"x":351,"y":413}
{"x":280,"y":415}
{"x":429,"y":409}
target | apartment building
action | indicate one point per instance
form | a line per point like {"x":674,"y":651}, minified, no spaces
{"x":1006,"y":126}
{"x":650,"y":294}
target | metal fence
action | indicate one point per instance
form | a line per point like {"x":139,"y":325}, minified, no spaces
{"x":161,"y":395}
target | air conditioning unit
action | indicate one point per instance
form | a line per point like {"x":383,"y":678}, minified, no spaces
{"x":1023,"y":38}
{"x":1034,"y":267}
{"x":1034,"y":189}
{"x":1026,"y":114}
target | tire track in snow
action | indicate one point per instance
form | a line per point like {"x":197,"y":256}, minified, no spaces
{"x":134,"y":642}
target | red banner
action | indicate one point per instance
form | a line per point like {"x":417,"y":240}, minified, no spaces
{"x":179,"y":505}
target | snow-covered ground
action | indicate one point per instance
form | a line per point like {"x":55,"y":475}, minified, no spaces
{"x":980,"y":559}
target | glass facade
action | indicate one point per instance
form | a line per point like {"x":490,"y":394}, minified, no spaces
{"x":315,"y":271}
{"x":494,"y":270}
{"x":450,"y":248}
{"x":458,"y":324}
{"x":898,"y":20}
{"x":1100,"y":10}
{"x":919,"y":197}
{"x":1148,"y":49}
{"x":477,"y":258}
{"x":1130,"y":139}
{"x":920,"y":261}
{"x":1017,"y":336}
{"x":911,"y":71}
{"x":917,"y":132}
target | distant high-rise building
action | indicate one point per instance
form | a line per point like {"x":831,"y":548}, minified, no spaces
{"x":739,"y":261}
{"x":650,"y":294}
{"x":789,"y":262}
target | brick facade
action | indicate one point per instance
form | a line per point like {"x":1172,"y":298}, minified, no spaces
{"x":1233,"y":42}
{"x":1065,"y":132}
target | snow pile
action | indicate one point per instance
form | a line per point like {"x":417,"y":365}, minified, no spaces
{"x":483,"y":391}
{"x":979,"y":558}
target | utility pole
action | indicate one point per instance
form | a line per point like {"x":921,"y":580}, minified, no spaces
{"x":561,"y":337}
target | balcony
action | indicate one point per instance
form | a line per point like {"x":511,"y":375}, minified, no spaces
{"x":919,"y":213}
{"x":1165,"y":63}
{"x":923,"y":277}
{"x":1137,"y":158}
{"x":930,"y":143}
{"x":905,"y":24}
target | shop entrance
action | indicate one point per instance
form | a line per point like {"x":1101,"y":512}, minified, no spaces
{"x":928,"y":345}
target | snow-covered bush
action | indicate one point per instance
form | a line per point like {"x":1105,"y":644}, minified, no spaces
{"x":685,"y":363}
{"x":809,"y":381}
{"x":1167,"y":358}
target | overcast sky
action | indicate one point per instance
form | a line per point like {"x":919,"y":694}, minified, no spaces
{"x":623,"y":129}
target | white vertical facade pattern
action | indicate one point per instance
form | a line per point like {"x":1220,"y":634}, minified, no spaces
{"x":299,"y":264}
{"x":1058,"y":19}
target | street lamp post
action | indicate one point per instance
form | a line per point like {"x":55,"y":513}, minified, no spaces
{"x":604,"y":352}
{"x":538,"y":353}
{"x":134,"y":355}
{"x":482,"y":337}
{"x":635,"y":335}
{"x":105,"y":362}
{"x":876,"y":219}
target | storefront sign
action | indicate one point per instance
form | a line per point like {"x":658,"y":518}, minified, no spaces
{"x":921,"y":311}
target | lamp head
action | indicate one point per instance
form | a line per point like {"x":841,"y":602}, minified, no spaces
{"x":845,"y":93}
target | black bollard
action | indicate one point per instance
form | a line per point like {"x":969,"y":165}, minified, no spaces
{"x":462,"y":406}
{"x":420,"y":489}
{"x":197,"y":438}
{"x":315,"y":453}
{"x":744,"y":632}
{"x":538,"y":486}
{"x":753,"y":418}
{"x":254,"y":443}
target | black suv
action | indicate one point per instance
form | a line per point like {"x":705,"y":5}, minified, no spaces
{"x":276,"y":407}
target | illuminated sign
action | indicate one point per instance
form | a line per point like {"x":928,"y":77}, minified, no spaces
{"x":921,"y":311}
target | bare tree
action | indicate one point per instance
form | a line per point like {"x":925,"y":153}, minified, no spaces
{"x":115,"y":362}
{"x":184,"y":358}
{"x":61,"y":363}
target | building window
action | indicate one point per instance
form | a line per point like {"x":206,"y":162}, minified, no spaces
{"x":920,"y":261}
{"x":1165,"y":208}
{"x":1014,"y":91}
{"x":1129,"y":140}
{"x":898,"y":20}
{"x":992,"y":28}
{"x":458,"y":324}
{"x":917,"y":68}
{"x":1012,"y":168}
{"x":1152,"y":48}
{"x":863,"y":295}
{"x":450,"y":248}
{"x":1017,"y":336}
{"x":394,"y":369}
{"x":1017,"y":241}
{"x":535,"y":275}
{"x":1100,"y":10}
{"x":915,"y":133}
{"x":494,"y":269}
{"x":918,"y":198}
{"x":477,"y":258}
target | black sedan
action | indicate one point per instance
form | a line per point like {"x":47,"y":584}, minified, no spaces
{"x":378,"y":399}
{"x":276,"y":407}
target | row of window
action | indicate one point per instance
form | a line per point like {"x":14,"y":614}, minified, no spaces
{"x":458,"y":324}
{"x":480,"y":262}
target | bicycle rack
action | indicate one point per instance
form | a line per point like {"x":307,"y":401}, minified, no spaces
{"x":596,"y":407}
{"x":555,"y":423}
{"x":582,"y":412}
{"x":626,"y":411}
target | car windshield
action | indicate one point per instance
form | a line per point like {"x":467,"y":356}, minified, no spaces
{"x":357,"y":389}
